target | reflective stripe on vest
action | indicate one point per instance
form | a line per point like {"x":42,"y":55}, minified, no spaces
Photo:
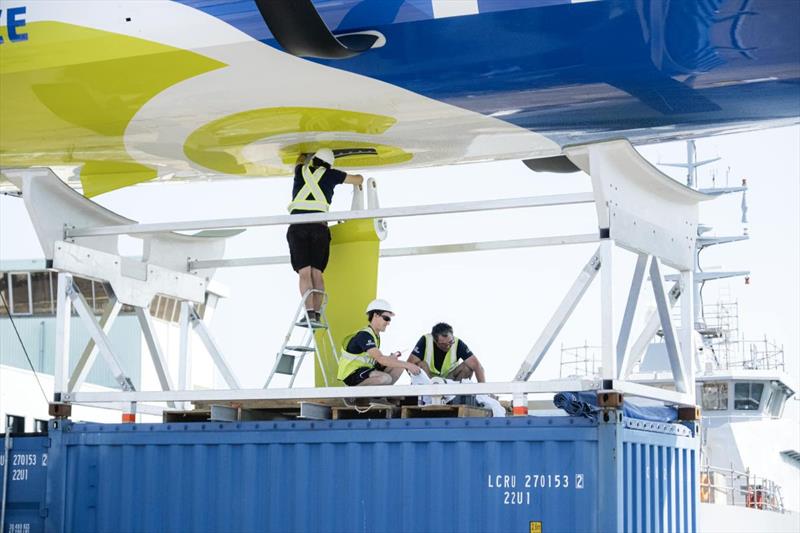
{"x":450,"y":360}
{"x":350,"y":362}
{"x":310,"y":196}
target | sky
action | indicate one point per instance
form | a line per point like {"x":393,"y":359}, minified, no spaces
{"x":497,"y":301}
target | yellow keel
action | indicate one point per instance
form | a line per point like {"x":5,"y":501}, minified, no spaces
{"x":351,"y":281}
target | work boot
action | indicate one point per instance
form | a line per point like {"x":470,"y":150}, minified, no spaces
{"x":316,"y":320}
{"x":313,"y":318}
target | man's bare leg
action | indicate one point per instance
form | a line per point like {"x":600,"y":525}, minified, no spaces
{"x":395,"y":373}
{"x":460,"y":372}
{"x":306,"y":285}
{"x":376,"y":377}
{"x":318,"y":283}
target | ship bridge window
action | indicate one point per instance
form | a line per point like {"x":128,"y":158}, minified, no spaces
{"x":715,"y":396}
{"x":747,"y":396}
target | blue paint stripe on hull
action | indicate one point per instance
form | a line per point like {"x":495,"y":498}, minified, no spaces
{"x":578,"y":72}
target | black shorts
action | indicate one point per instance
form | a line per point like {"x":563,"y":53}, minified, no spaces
{"x":361,"y":374}
{"x":309,"y":245}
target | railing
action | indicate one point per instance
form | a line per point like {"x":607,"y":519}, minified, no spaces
{"x":731,"y":487}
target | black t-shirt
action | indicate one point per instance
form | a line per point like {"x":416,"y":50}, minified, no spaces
{"x":329,"y":180}
{"x":462,"y":352}
{"x":362,"y":342}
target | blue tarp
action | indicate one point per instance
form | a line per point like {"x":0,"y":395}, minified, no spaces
{"x":585,"y":404}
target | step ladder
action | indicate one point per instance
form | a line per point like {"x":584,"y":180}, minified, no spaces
{"x":301,"y":340}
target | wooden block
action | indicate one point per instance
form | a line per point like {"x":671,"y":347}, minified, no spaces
{"x":609,"y":398}
{"x":689,"y":412}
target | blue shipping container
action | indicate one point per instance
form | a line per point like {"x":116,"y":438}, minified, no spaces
{"x":522,"y":474}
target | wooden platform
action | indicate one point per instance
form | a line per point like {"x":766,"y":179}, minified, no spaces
{"x":324,"y":409}
{"x":443,"y":411}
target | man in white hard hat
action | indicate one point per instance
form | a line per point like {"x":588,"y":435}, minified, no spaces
{"x":361,"y":361}
{"x":309,"y":244}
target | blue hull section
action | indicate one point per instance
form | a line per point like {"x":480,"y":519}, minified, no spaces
{"x":578,"y":72}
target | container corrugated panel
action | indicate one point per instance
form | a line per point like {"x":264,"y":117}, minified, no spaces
{"x":660,"y":483}
{"x":26,"y":484}
{"x":421,"y":475}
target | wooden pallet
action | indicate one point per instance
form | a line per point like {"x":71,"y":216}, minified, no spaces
{"x":370,"y":412}
{"x":443,"y":411}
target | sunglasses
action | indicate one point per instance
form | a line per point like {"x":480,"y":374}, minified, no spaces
{"x":387,"y":318}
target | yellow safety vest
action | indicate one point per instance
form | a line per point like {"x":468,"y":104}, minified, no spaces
{"x":449,"y":362}
{"x":310,"y":196}
{"x":350,"y":362}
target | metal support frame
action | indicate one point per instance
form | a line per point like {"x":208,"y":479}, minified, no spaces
{"x":652,"y":323}
{"x":99,"y":337}
{"x":642,"y":264}
{"x":335,"y":216}
{"x":213,"y":349}
{"x":638,"y":208}
{"x":156,"y":353}
{"x":608,"y":342}
{"x":86,"y":361}
{"x":372,"y":391}
{"x":691,"y":357}
{"x":670,"y":338}
{"x":559,"y":318}
{"x":476,"y":246}
{"x":184,"y":357}
{"x":63,"y":316}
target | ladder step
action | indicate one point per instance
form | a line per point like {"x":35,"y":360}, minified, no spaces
{"x":285,"y":364}
{"x":298,"y":349}
{"x":314,"y":325}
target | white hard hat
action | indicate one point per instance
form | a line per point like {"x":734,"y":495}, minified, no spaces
{"x":379,"y":305}
{"x":325,"y":155}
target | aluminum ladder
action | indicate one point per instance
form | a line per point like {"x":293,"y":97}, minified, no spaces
{"x":301,"y":340}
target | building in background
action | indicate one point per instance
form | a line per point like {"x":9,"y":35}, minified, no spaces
{"x":28,"y":324}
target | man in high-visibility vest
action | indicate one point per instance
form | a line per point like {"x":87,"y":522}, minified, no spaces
{"x":309,"y":244}
{"x":441,"y":354}
{"x":361,"y":361}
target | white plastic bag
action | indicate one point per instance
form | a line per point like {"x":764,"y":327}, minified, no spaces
{"x":498,"y":411}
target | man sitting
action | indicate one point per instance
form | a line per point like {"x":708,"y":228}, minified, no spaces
{"x":362,"y":362}
{"x":441,"y":354}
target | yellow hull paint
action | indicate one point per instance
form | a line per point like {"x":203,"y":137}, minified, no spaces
{"x":219,"y":145}
{"x":69,"y":92}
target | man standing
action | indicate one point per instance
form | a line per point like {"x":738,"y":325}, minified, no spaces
{"x":361,"y":361}
{"x":309,"y":244}
{"x":438,"y":354}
